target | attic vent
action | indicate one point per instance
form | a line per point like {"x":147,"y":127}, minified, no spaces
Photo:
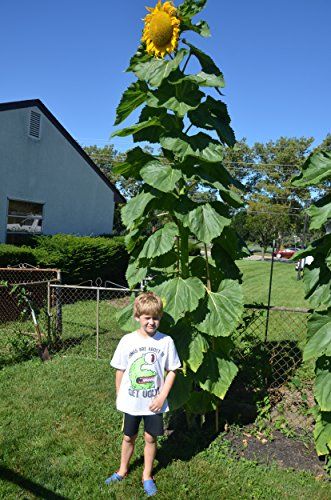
{"x":34,"y":129}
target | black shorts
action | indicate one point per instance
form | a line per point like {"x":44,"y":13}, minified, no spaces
{"x":153,"y":424}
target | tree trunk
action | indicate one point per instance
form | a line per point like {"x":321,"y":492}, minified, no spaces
{"x":263,"y":252}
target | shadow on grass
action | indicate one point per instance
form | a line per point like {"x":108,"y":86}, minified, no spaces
{"x":263,"y":370}
{"x":182,"y":443}
{"x":36,"y":489}
{"x":61,"y":345}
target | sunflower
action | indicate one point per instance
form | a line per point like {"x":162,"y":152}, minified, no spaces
{"x":161,"y":29}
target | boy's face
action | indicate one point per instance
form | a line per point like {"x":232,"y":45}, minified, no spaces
{"x":149,"y":324}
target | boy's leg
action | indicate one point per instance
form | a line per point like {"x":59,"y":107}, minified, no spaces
{"x":131,"y":426}
{"x":149,"y":455}
{"x":126,"y":454}
{"x":153,"y":428}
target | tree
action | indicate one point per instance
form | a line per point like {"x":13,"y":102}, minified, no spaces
{"x":106,"y":158}
{"x":265,"y":222}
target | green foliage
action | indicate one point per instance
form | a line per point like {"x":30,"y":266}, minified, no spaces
{"x":317,"y":278}
{"x":202,"y":300}
{"x":83,"y":258}
{"x":11,"y":255}
{"x":315,"y":170}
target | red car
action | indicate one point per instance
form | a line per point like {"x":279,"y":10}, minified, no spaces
{"x":285,"y":253}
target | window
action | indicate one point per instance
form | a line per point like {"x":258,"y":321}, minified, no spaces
{"x":24,"y":219}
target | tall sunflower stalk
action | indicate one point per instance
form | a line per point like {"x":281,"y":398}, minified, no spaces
{"x":202,"y":295}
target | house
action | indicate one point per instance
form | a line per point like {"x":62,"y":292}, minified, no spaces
{"x":48,"y":184}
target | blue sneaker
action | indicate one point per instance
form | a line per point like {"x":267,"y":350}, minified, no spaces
{"x":114,"y":478}
{"x":150,"y":487}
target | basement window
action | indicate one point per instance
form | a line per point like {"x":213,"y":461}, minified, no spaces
{"x":34,"y":125}
{"x":24,"y":219}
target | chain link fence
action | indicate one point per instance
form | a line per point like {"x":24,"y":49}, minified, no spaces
{"x":82,"y":321}
{"x":268,"y":351}
{"x":24,"y":293}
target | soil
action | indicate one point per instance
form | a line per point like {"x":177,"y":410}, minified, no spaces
{"x":280,"y":450}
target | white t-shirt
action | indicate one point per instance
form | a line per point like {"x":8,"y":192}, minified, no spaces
{"x":144,"y":360}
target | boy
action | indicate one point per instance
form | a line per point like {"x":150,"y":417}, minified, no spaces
{"x":141,"y":360}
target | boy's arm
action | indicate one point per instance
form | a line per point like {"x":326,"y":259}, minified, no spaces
{"x":158,"y":402}
{"x":118,"y":379}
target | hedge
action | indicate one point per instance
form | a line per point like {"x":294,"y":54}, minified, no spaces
{"x":80,"y":258}
{"x":11,"y":255}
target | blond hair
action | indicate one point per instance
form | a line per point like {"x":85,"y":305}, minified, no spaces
{"x":147,"y":303}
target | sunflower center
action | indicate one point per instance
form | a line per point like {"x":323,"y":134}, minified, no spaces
{"x":160,"y":29}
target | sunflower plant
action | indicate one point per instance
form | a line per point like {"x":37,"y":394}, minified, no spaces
{"x":317,"y":280}
{"x":183,"y":113}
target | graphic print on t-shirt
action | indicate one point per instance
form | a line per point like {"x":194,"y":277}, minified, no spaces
{"x":141,"y":373}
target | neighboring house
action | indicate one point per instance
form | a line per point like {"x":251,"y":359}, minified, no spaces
{"x":48,"y":184}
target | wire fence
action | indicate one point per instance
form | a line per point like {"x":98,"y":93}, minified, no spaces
{"x":43,"y":317}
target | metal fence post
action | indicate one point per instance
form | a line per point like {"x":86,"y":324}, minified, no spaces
{"x":269,"y":293}
{"x":97,"y":320}
{"x":49,"y":309}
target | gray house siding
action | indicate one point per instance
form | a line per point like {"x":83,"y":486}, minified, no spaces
{"x":50,"y":171}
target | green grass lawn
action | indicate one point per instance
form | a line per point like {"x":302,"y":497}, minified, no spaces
{"x":286,"y":290}
{"x":60,"y":433}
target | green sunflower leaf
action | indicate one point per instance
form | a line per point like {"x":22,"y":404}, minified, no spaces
{"x":201,"y":402}
{"x":192,"y":347}
{"x":316,"y":169}
{"x":190,"y":8}
{"x":213,"y":115}
{"x":216,"y":374}
{"x":141,"y":56}
{"x":132,"y":98}
{"x":207,"y":64}
{"x":206,"y":223}
{"x":180,"y":296}
{"x":133,"y":129}
{"x":180,"y":97}
{"x":204,"y":79}
{"x":160,"y":242}
{"x":135,"y":159}
{"x":135,"y":208}
{"x":322,"y":390}
{"x":225,"y":309}
{"x":200,"y":146}
{"x":168,"y":123}
{"x":156,"y":70}
{"x":125,"y":318}
{"x":322,"y":433}
{"x":319,"y":333}
{"x":209,"y":172}
{"x":201,"y":27}
{"x":232,"y":243}
{"x":180,"y":391}
{"x":320,"y":212}
{"x":135,"y":274}
{"x":160,"y":175}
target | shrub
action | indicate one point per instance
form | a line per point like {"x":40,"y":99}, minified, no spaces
{"x":83,"y":258}
{"x":11,"y":255}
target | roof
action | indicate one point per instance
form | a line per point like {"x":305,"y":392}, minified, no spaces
{"x":5,"y":106}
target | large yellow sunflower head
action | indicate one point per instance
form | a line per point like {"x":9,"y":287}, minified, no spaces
{"x":161,"y":29}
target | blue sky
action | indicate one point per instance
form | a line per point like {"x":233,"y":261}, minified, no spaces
{"x":72,"y":54}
